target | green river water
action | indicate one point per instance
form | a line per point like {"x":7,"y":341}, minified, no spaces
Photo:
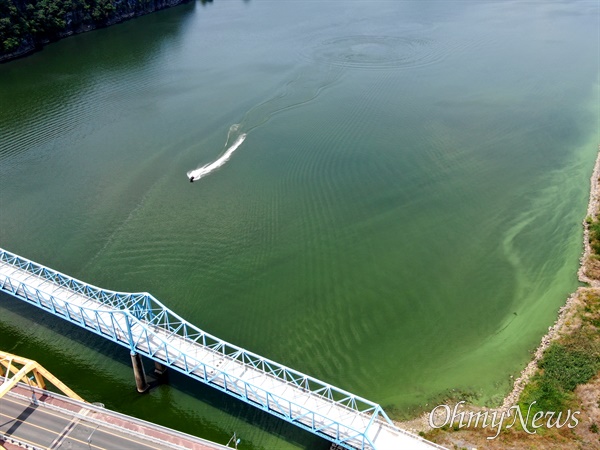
{"x":403,"y":219}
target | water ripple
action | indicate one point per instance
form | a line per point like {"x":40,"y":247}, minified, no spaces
{"x":377,"y":52}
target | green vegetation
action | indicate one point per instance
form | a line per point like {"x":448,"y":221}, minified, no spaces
{"x":572,"y":360}
{"x":592,"y":265}
{"x":12,"y":26}
{"x":563,"y":368}
{"x":27,"y":24}
{"x":32,"y":22}
{"x":594,"y":227}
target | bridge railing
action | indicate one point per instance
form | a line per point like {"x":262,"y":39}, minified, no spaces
{"x":142,"y":323}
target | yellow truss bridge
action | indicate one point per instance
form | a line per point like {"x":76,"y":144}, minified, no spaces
{"x":15,"y":368}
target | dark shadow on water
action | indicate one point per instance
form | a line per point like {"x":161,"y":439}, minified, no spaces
{"x":94,"y":385}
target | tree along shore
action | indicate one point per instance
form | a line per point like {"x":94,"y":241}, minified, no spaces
{"x":27,"y":25}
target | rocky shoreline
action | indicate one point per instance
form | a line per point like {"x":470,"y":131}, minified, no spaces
{"x":565,"y":313}
{"x":592,"y":211}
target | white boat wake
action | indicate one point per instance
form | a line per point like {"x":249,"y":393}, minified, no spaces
{"x":196,"y":174}
{"x":303,"y":89}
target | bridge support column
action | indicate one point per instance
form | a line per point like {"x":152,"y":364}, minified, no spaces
{"x":138,"y":371}
{"x":159,"y":369}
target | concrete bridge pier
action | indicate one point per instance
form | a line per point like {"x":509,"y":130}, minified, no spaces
{"x":138,"y":371}
{"x":160,"y":370}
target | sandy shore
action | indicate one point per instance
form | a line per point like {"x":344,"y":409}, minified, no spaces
{"x":564,"y":314}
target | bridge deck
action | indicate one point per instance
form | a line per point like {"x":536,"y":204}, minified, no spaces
{"x":143,"y":327}
{"x":41,"y":419}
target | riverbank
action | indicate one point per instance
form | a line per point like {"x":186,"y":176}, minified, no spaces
{"x":578,"y":322}
{"x":29,"y":26}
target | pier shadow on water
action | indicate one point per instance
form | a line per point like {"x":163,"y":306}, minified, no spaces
{"x":111,"y":371}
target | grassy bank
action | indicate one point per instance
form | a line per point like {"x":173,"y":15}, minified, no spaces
{"x":561,"y":385}
{"x":567,"y":380}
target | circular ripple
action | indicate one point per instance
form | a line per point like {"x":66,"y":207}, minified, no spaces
{"x":368,"y":52}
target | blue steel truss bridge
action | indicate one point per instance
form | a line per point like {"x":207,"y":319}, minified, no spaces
{"x":146,"y":327}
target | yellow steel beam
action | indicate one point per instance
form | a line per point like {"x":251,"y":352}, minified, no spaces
{"x":59,"y":384}
{"x":8,"y":385}
{"x":8,"y":364}
{"x":39,"y":378}
{"x":13,"y":369}
{"x":40,"y":375}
